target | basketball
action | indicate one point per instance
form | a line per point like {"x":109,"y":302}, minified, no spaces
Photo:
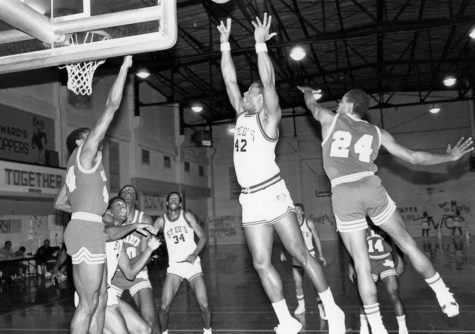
{"x":220,"y":1}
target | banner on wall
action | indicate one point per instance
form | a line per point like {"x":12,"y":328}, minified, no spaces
{"x":23,"y":178}
{"x":24,"y":136}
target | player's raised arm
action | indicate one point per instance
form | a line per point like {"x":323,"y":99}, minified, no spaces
{"x":321,"y":114}
{"x":425,"y":158}
{"x":90,"y":147}
{"x":266,"y":69}
{"x":227,"y":67}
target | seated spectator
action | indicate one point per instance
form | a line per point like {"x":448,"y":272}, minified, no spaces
{"x":46,"y":256}
{"x":6,"y":251}
{"x":7,"y":269}
{"x":20,"y":252}
{"x":22,"y":266}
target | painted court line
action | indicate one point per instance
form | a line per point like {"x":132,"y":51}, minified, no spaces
{"x":49,"y":330}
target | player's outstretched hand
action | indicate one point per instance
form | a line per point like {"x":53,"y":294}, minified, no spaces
{"x":316,"y":93}
{"x":127,"y":61}
{"x":153,"y":243}
{"x":225,"y":30}
{"x":304,"y":89}
{"x":323,"y":260}
{"x":146,"y":229}
{"x":190,"y":259}
{"x":262,"y":28}
{"x":283,"y":258}
{"x":460,"y":149}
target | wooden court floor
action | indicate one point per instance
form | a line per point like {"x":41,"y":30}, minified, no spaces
{"x":240,"y":306}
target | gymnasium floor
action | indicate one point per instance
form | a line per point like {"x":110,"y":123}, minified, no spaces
{"x":240,"y":306}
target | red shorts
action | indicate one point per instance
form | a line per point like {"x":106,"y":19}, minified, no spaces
{"x":382,"y":267}
{"x":353,"y":201}
{"x":85,"y":241}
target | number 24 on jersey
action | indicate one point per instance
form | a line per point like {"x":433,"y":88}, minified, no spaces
{"x":341,"y":146}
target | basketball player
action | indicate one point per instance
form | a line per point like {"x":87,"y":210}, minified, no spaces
{"x":309,"y":232}
{"x":135,"y":244}
{"x":179,"y":228}
{"x":85,"y":194}
{"x":113,"y":231}
{"x":265,"y":200}
{"x":121,"y":318}
{"x":387,"y":265}
{"x":350,"y":146}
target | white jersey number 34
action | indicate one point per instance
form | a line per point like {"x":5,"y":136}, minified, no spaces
{"x":341,"y":146}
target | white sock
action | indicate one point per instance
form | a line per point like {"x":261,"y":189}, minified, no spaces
{"x":281,"y":311}
{"x":363,"y":321}
{"x":374,"y":317}
{"x":300,"y":300}
{"x":401,"y":321}
{"x":207,"y":331}
{"x":437,"y":284}
{"x":327,"y":299}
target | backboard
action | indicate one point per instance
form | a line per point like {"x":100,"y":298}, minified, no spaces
{"x":35,"y":33}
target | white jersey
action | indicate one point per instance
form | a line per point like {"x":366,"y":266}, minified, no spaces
{"x":254,"y":151}
{"x":307,"y":235}
{"x":131,"y":242}
{"x":180,"y":238}
{"x":113,"y":249}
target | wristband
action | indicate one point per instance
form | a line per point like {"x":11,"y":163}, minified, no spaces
{"x":261,"y":47}
{"x":225,"y":46}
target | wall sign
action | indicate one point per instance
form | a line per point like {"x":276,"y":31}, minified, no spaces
{"x":25,"y":136}
{"x":23,"y":178}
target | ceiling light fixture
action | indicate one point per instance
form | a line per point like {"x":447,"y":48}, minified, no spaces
{"x":197,"y":108}
{"x":434,"y":109}
{"x":297,"y":53}
{"x":143,"y":73}
{"x":472,"y":33}
{"x":450,"y":81}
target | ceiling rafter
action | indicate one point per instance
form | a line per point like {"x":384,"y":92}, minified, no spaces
{"x":380,"y":46}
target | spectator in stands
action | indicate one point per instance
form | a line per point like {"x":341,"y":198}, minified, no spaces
{"x":21,"y":268}
{"x":7,"y":268}
{"x":20,"y":252}
{"x":6,"y":251}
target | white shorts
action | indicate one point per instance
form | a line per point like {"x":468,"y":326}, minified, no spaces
{"x":120,"y":284}
{"x":266,"y":206}
{"x":112,"y":300}
{"x":185,"y":270}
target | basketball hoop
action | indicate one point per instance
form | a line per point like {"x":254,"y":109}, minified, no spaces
{"x":80,"y":74}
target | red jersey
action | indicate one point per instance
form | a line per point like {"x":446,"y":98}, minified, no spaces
{"x":349,"y":149}
{"x":86,"y":188}
{"x":378,"y":247}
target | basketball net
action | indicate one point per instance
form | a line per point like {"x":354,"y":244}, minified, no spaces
{"x":80,"y":75}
